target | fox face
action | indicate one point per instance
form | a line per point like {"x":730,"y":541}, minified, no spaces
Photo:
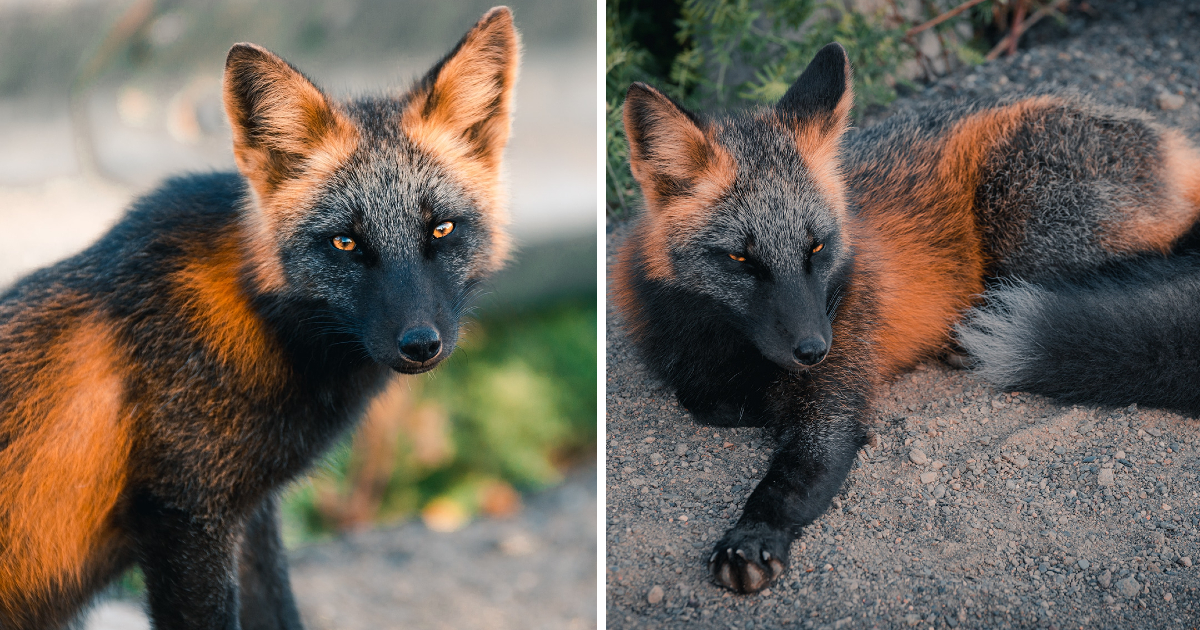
{"x":749,"y":210}
{"x":385,"y":211}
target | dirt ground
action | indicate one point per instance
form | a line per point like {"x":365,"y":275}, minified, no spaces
{"x":1004,"y":523}
{"x":535,"y":571}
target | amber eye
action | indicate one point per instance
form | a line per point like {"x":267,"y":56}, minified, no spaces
{"x":738,"y":258}
{"x":443,"y":228}
{"x":818,"y":247}
{"x":344,"y":243}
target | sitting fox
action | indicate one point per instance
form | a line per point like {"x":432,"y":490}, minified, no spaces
{"x":159,"y":388}
{"x":785,"y":268}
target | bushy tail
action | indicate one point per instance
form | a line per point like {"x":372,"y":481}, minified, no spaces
{"x":1130,"y":333}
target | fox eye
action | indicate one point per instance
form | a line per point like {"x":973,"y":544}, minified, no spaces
{"x":738,"y":257}
{"x":444,"y":228}
{"x":344,"y":243}
{"x":816,"y":248}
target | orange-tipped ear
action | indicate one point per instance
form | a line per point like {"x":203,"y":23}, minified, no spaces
{"x":824,"y":93}
{"x":817,"y":109}
{"x":280,"y":120}
{"x":461,"y":111}
{"x":680,"y":166}
{"x":669,"y":154}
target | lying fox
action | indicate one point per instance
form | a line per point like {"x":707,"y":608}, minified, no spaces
{"x":159,"y":388}
{"x":784,"y":268}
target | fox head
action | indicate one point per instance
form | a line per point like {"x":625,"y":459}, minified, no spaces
{"x":749,"y":210}
{"x":383,"y":211}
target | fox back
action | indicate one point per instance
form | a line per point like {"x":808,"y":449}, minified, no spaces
{"x":158,"y":387}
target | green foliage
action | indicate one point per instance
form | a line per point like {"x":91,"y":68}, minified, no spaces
{"x":740,"y":53}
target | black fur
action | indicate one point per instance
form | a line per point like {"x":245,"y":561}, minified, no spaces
{"x":1126,"y":333}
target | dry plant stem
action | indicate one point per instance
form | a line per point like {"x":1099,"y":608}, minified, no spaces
{"x":942,"y":18}
{"x":136,"y":16}
{"x":1020,"y":28}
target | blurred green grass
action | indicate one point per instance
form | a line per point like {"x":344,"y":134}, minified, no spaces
{"x":513,"y":408}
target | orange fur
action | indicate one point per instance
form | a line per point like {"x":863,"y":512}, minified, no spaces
{"x":1157,"y":228}
{"x":67,"y":465}
{"x":210,"y":291}
{"x":463,"y":117}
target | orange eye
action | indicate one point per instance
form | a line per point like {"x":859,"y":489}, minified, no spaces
{"x":443,"y":228}
{"x":818,"y":247}
{"x":344,"y":243}
{"x":738,"y":258}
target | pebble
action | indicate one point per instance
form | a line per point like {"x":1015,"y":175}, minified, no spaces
{"x":656,"y":458}
{"x":655,"y":595}
{"x":1168,"y":102}
{"x":1105,"y":579}
{"x":918,"y":457}
{"x":1129,"y":587}
{"x":929,"y":477}
{"x":681,"y":450}
{"x":1084,"y":564}
{"x":1186,"y":561}
{"x":1106,"y":477}
{"x":940,"y":491}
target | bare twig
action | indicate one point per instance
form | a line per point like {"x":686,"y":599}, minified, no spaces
{"x":1020,"y":29}
{"x":942,"y":18}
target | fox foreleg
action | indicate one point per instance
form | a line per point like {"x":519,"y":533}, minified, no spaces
{"x":813,"y":456}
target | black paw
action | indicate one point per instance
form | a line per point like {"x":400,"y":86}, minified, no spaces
{"x":748,"y":558}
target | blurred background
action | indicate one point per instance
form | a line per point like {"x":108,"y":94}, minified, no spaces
{"x":100,"y":99}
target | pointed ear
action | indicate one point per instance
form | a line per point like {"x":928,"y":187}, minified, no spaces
{"x":461,"y":111}
{"x":281,"y":122}
{"x":670,"y":154}
{"x":824,"y":93}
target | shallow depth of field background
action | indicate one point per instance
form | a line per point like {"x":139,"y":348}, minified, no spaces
{"x":100,"y":99}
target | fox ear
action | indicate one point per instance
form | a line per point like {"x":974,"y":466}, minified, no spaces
{"x":669,"y":153}
{"x":824,"y":93}
{"x":461,"y":111}
{"x":280,"y":120}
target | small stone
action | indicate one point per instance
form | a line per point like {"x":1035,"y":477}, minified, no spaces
{"x":656,"y":458}
{"x":912,"y":619}
{"x":1020,"y":461}
{"x":918,"y":457}
{"x":1167,"y":597}
{"x":681,"y":450}
{"x":1169,"y":102}
{"x":1129,"y":587}
{"x":938,"y":465}
{"x":1186,"y":561}
{"x":1119,"y":455}
{"x":649,"y":440}
{"x":628,"y":470}
{"x":940,"y":491}
{"x":1084,"y":564}
{"x":929,"y":477}
{"x":656,"y":595}
{"x":1105,"y":579}
{"x":1106,"y":478}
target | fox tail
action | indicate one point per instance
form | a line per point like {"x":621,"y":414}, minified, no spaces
{"x":1127,"y":333}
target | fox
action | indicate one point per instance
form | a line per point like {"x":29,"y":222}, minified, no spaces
{"x":158,"y":389}
{"x":785,"y":267}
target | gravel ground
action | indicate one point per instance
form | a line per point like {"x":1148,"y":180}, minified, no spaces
{"x":534,"y":571}
{"x":980,"y":508}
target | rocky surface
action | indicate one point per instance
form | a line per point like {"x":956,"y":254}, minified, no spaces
{"x":980,"y":508}
{"x":534,"y":571}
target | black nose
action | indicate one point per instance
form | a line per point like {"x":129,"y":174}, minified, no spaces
{"x":420,"y":344}
{"x":811,"y":351}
